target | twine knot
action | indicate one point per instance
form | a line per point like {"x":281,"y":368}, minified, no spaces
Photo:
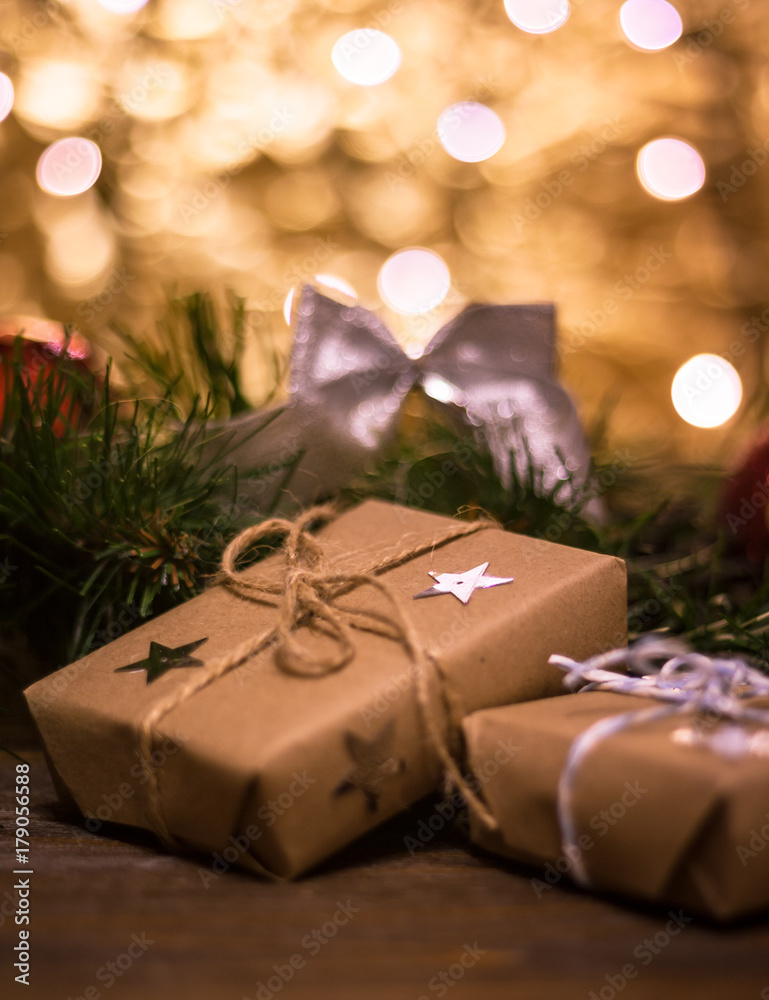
{"x":308,"y":592}
{"x":308,"y":597}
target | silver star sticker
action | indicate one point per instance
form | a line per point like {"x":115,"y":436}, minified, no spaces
{"x":462,"y":585}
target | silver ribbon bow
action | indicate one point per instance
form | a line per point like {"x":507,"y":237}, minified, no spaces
{"x":349,"y":378}
{"x":665,"y":670}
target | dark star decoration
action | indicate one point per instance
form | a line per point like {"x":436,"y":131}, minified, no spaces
{"x":163,"y":658}
{"x":374,"y":764}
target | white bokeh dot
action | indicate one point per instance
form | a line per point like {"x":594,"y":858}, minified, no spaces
{"x":330,"y":281}
{"x":6,"y":96}
{"x":670,"y":169}
{"x":414,"y":281}
{"x":706,"y":390}
{"x":123,"y":6}
{"x":538,"y":17}
{"x":69,"y":166}
{"x":470,"y":132}
{"x":650,"y":24}
{"x":366,"y":56}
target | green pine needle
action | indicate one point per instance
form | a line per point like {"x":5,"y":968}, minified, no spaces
{"x":113,"y":514}
{"x":113,"y":511}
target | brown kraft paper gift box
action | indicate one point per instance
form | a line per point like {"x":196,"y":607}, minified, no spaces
{"x":282,"y":770}
{"x":656,"y":818}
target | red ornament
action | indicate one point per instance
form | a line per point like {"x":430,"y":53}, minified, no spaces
{"x":744,"y":508}
{"x":45,"y":347}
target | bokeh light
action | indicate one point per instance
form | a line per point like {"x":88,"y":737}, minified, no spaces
{"x":57,"y":93}
{"x":123,"y":6}
{"x":670,"y":169}
{"x":650,"y":24}
{"x":470,"y":132}
{"x":706,"y":390}
{"x":6,"y":96}
{"x":366,"y":56}
{"x":238,"y":155}
{"x":330,"y":281}
{"x":414,"y":281}
{"x":69,"y":166}
{"x":155,"y":90}
{"x":538,"y":17}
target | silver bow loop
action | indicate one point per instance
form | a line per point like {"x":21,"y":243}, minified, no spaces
{"x":667,"y":670}
{"x":496,"y":364}
{"x":492,"y":365}
{"x":687,"y":683}
{"x":348,"y":371}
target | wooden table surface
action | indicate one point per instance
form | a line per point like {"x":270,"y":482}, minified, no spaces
{"x":116,"y":916}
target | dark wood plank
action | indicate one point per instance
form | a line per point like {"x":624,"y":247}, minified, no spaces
{"x":413,"y":918}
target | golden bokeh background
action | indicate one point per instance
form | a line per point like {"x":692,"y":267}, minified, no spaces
{"x":236,"y":156}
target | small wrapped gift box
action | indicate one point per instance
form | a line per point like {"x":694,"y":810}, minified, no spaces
{"x":284,"y":712}
{"x":655,"y":801}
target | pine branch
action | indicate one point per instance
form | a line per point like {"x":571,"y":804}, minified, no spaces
{"x":109,"y":515}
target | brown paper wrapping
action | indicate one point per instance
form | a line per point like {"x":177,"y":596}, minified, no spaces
{"x":253,"y":763}
{"x":681,"y":824}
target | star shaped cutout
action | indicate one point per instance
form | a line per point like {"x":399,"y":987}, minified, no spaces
{"x":163,"y":658}
{"x":374,"y":763}
{"x":462,"y":585}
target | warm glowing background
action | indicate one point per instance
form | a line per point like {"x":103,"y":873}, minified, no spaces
{"x":538,"y":151}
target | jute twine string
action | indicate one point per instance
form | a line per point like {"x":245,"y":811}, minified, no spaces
{"x":308,"y":596}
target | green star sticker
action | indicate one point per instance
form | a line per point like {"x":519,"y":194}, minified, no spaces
{"x":374,"y":764}
{"x":163,"y":658}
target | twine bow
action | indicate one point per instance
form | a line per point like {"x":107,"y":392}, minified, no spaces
{"x":665,"y":670}
{"x":308,"y":597}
